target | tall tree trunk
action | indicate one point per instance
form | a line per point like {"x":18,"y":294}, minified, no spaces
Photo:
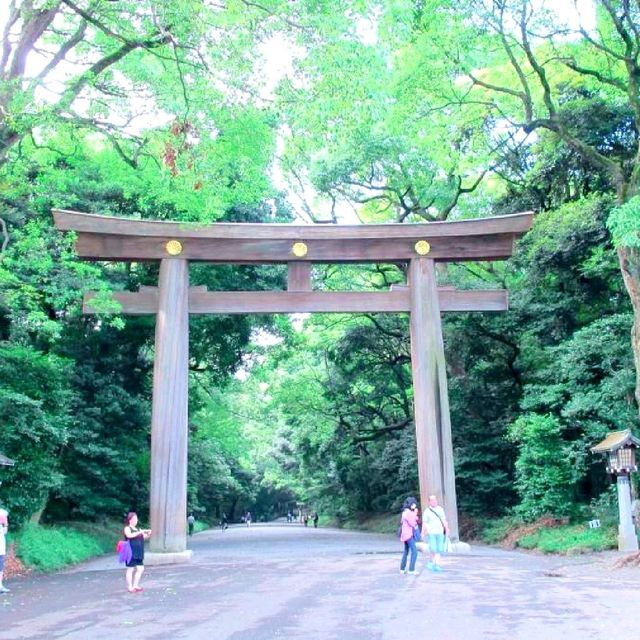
{"x":630,"y":266}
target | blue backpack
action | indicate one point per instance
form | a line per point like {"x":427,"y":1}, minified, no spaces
{"x":123,"y":549}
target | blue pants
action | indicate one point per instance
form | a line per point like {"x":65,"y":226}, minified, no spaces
{"x":409,"y":545}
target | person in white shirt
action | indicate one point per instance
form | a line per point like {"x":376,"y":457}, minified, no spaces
{"x":4,"y":527}
{"x":434,"y":530}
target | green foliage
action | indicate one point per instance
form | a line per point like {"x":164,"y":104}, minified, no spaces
{"x":570,"y":539}
{"x":378,"y":112}
{"x":199,"y":525}
{"x":624,"y":223}
{"x":384,"y":523}
{"x":605,"y":507}
{"x":34,"y":414}
{"x":52,"y":548}
{"x":495,"y":530}
{"x":545,"y":474}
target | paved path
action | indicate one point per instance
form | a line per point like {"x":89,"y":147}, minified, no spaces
{"x":291,"y":582}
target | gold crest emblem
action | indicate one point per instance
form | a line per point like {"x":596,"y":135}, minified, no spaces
{"x":173,"y":247}
{"x":299,"y":249}
{"x":422,"y":247}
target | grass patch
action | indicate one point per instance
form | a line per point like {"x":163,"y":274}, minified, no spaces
{"x":495,"y":531}
{"x":379,"y":523}
{"x":570,"y":539}
{"x":51,"y":548}
{"x":327,"y":521}
{"x":200,"y":525}
{"x":549,"y":535}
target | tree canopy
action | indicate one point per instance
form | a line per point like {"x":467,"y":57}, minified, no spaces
{"x":351,"y":110}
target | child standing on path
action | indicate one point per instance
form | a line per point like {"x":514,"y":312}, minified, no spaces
{"x":434,"y":529}
{"x":408,"y":524}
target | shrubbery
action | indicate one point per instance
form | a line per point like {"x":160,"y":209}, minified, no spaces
{"x":570,"y":539}
{"x":51,"y":548}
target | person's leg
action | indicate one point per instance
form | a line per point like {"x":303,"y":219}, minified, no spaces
{"x":137,"y":576}
{"x":3,"y":589}
{"x":414,"y":555}
{"x":439,"y":548}
{"x":129,"y":577}
{"x":405,"y":553}
{"x":432,"y":546}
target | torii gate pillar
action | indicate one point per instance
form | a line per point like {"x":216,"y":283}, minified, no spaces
{"x":430,"y":397}
{"x":175,"y":244}
{"x":169,"y":431}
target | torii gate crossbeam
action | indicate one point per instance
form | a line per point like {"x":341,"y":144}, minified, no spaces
{"x":299,"y":246}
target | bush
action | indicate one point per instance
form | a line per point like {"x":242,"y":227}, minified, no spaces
{"x":570,"y":539}
{"x":494,"y":531}
{"x":545,"y":473}
{"x":199,"y":525}
{"x":51,"y":548}
{"x":376,"y":523}
{"x":605,"y":506}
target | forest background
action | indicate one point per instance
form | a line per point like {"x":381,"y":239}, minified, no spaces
{"x":316,"y":111}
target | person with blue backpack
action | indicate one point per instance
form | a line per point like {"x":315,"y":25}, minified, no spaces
{"x":409,"y":535}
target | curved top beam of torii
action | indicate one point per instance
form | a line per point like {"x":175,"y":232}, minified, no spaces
{"x":113,"y":238}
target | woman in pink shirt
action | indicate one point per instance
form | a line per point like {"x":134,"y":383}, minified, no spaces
{"x":408,"y":524}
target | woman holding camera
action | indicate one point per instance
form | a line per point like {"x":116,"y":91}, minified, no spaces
{"x":136,"y":538}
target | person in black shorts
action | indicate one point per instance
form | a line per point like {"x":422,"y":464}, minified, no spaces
{"x":136,"y":538}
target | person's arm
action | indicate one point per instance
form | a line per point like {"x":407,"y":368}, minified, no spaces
{"x":425,"y":529}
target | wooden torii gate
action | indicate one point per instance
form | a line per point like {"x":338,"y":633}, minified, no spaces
{"x":299,"y":246}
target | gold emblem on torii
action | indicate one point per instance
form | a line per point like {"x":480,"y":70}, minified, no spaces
{"x":422,"y":247}
{"x":299,"y":249}
{"x":173,"y":247}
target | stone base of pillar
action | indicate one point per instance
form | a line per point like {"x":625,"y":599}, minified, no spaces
{"x":627,"y":540}
{"x":459,"y":548}
{"x":171,"y":557}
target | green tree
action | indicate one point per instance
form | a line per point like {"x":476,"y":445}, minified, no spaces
{"x":524,"y":86}
{"x":35,"y":403}
{"x":545,"y":476}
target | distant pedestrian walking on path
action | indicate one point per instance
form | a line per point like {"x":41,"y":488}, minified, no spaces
{"x":4,"y":527}
{"x":434,"y":530}
{"x":315,"y":520}
{"x":136,"y":538}
{"x":247,"y":518}
{"x":408,"y":524}
{"x":191,"y":521}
